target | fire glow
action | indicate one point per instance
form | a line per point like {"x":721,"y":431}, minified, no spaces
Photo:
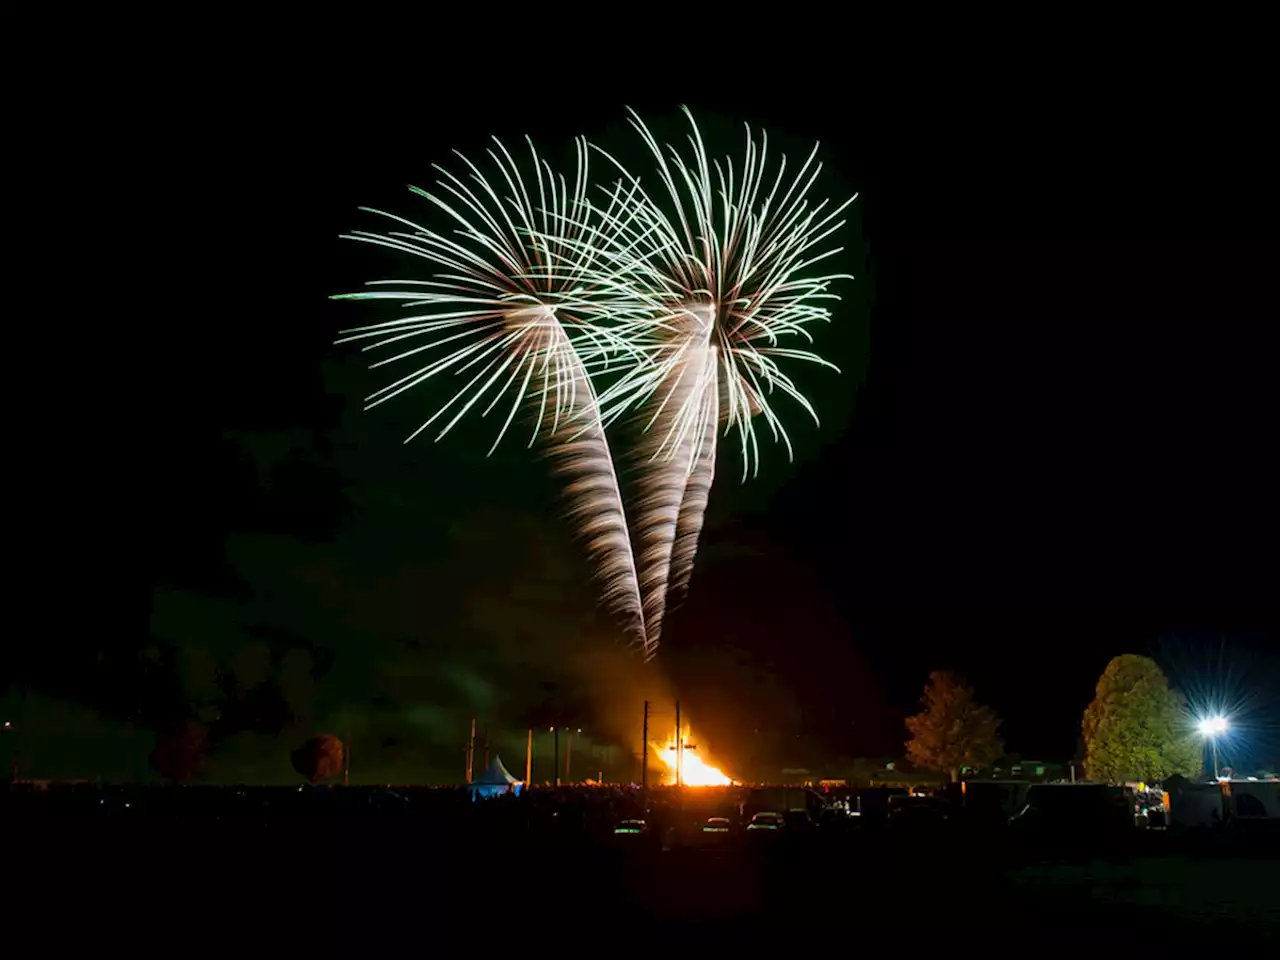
{"x":693,"y":771}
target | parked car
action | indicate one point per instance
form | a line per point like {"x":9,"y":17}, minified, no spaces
{"x":766,"y":822}
{"x":918,"y":811}
{"x":1076,"y":810}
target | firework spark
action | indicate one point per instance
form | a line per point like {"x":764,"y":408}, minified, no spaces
{"x":514,"y":305}
{"x":681,"y":302}
{"x":715,"y":289}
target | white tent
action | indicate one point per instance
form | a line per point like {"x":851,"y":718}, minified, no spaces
{"x":493,"y":781}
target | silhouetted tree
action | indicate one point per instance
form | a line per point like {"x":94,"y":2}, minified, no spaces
{"x":319,"y":758}
{"x":1137,"y":726}
{"x":179,"y":751}
{"x":954,"y":730}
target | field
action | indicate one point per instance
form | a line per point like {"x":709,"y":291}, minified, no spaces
{"x":527,"y":875}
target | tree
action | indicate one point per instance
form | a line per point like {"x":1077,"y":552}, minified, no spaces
{"x":954,"y":730}
{"x":1137,"y":726}
{"x":179,"y":751}
{"x":319,"y":758}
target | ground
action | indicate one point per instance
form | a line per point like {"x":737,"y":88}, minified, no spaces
{"x":317,"y":881}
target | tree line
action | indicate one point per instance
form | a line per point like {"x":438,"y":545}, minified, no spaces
{"x":1137,"y":727}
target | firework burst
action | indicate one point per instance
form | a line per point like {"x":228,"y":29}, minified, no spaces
{"x":717,"y":269}
{"x":681,"y":300}
{"x":513,"y":308}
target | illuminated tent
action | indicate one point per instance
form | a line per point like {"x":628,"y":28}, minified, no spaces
{"x":493,"y":781}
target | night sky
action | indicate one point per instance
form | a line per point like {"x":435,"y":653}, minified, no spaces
{"x":1052,"y":442}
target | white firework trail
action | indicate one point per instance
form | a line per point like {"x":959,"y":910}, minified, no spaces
{"x":679,"y":455}
{"x":514,"y":306}
{"x":718,"y":272}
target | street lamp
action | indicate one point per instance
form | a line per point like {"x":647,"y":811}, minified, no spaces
{"x":13,"y":766}
{"x":1212,"y":728}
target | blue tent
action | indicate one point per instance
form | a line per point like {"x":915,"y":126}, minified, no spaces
{"x":494,"y":781}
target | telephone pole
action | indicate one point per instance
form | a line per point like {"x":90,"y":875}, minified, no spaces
{"x":555,"y":754}
{"x":679,"y":749}
{"x":486,"y":746}
{"x":471,"y":749}
{"x":644,"y":750}
{"x":528,"y":761}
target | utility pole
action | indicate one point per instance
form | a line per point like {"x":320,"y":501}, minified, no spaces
{"x":679,"y":749}
{"x":346,"y":762}
{"x":471,"y":749}
{"x":555,"y":754}
{"x":528,"y":760}
{"x":486,"y":746}
{"x":644,"y":750}
{"x":568,"y":755}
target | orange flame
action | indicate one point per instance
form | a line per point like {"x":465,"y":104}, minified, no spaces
{"x":694,"y":771}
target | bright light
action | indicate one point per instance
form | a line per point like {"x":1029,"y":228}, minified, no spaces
{"x":693,"y":771}
{"x":1213,"y":726}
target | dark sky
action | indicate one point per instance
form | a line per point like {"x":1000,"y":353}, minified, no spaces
{"x":1052,"y":443}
